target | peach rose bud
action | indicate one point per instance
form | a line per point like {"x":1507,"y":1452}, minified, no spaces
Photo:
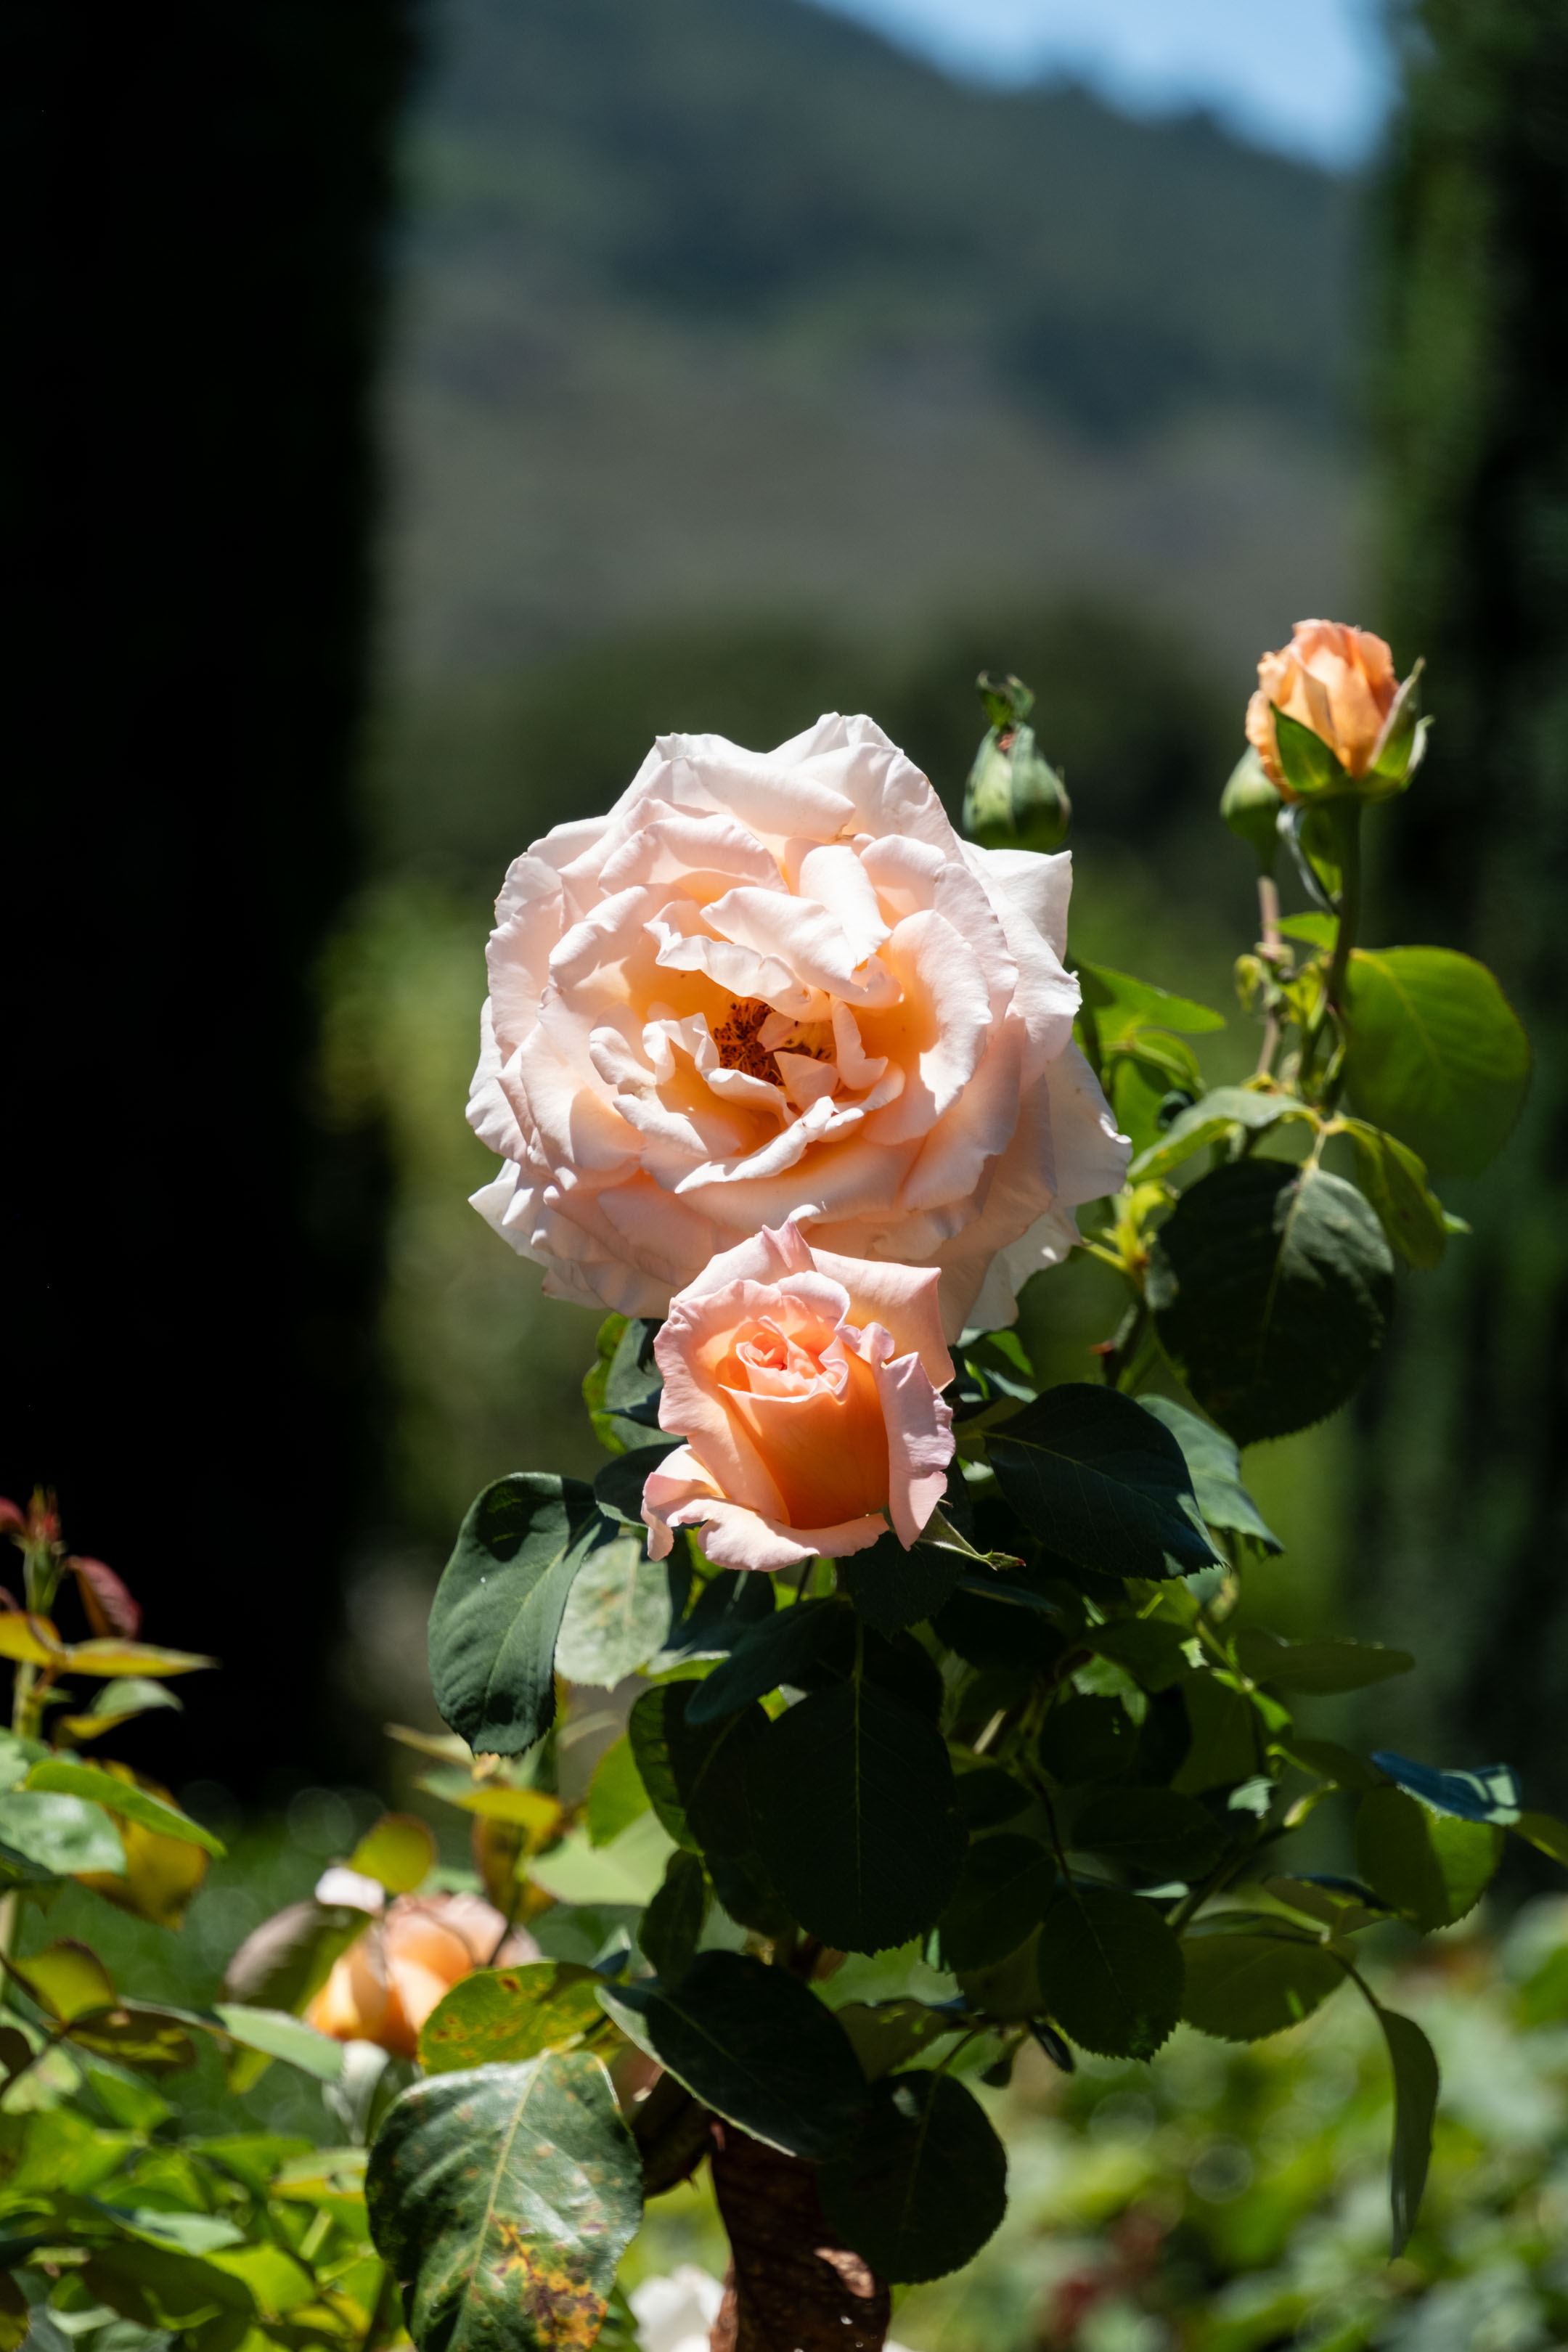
{"x":1338,"y":685}
{"x":386,"y":1985}
{"x":808,"y":1388}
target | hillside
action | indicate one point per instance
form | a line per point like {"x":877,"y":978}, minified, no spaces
{"x":725,"y":307}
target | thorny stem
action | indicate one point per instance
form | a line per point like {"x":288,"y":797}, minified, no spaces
{"x":1346,"y":816}
{"x":1271,"y":948}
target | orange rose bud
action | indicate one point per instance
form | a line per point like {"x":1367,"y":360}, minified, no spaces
{"x":386,"y":1985}
{"x":1349,"y":727}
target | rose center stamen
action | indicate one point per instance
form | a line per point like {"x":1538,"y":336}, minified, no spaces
{"x":740,"y":1047}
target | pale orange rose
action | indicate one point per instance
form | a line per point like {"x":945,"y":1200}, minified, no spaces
{"x":386,"y":1985}
{"x":808,"y":1388}
{"x":1337,"y":681}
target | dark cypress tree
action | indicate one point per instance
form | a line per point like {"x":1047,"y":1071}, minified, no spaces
{"x":198,"y":202}
{"x":1464,"y":1535}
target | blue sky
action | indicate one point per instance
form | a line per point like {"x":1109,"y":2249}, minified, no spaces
{"x":1310,"y":76}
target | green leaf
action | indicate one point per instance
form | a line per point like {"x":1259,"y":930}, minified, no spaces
{"x":501,"y":2016}
{"x":1242,"y":1987}
{"x":616,"y":1612}
{"x":696,"y":1774}
{"x":615,"y":1794}
{"x":618,"y":1487}
{"x":277,"y":2035}
{"x":1331,"y":1762}
{"x":1109,"y":1972}
{"x":1322,"y":1668}
{"x":621,"y":1390}
{"x":1098,"y":1478}
{"x":398,"y":1851}
{"x":497,"y":1609}
{"x":1315,"y":930}
{"x":887,"y":2033}
{"x":154,"y":2040}
{"x":1432,"y":1867}
{"x":1006,"y":1889}
{"x":115,"y":1703}
{"x":753,"y":2043}
{"x":1009,"y":1990}
{"x":673,"y":1920}
{"x":61,"y":1834}
{"x":278,"y":2282}
{"x":796,"y":1645}
{"x":1310,"y":769}
{"x":924,"y":2183}
{"x":1394,"y":1181}
{"x":160,"y":2288}
{"x":1224,"y":1743}
{"x":726,"y":1609}
{"x":503,"y":2199}
{"x":1436,"y":1054}
{"x":1545,"y":1833}
{"x":1085,"y":1740}
{"x":1415,"y":2088}
{"x":1213,"y":1465}
{"x":1210,"y":1120}
{"x":1272,"y":1287}
{"x":892,"y":1588}
{"x":1121,"y":1005}
{"x":855,"y":1817}
{"x":1151,"y":1832}
{"x":628,"y":1870}
{"x":1153,"y":1650}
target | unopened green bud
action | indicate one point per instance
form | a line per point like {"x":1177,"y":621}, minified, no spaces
{"x":1250,"y":806}
{"x":1014,"y":799}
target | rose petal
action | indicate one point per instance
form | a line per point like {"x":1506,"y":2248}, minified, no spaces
{"x":919,"y":1443}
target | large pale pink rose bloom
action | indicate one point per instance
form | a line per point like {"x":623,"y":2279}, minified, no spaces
{"x":775,"y":984}
{"x":806,"y":1386}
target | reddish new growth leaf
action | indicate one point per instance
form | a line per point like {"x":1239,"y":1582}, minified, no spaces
{"x":108,"y":1605}
{"x":12,"y":1520}
{"x":794,"y":2285}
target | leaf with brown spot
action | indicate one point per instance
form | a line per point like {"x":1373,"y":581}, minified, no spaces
{"x":503,"y":2197}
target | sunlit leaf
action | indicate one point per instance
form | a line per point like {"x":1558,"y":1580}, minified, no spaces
{"x":101,"y":1786}
{"x":501,"y":2016}
{"x":399,"y":1850}
{"x":1242,"y":1987}
{"x":497,"y":1607}
{"x":1436,"y":1054}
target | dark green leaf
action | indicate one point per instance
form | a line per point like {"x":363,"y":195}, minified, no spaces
{"x":616,"y":1612}
{"x":746,"y":1892}
{"x":621,"y":1390}
{"x":1151,"y":1832}
{"x":1415,"y":2088}
{"x":892,"y":1588}
{"x":1151,"y":1650}
{"x":1008,"y":1990}
{"x":993,"y":1619}
{"x":1208,"y":1121}
{"x":1121,"y":1005}
{"x":1225,"y":1746}
{"x":727,"y":1608}
{"x":1213,"y":1464}
{"x":1244,"y":1988}
{"x":797,"y":1645}
{"x":503,"y":2199}
{"x":1271,"y":1288}
{"x":160,"y":2288}
{"x":618,"y":1487}
{"x":501,"y":2016}
{"x":1005,"y":1890}
{"x":924,"y":2183}
{"x":695,"y":1774}
{"x":855,"y":1816}
{"x":1110,"y":1972}
{"x":1432,"y":1867}
{"x":1394,"y":1181}
{"x":1436,"y":1054}
{"x":753,"y":2043}
{"x":673,"y":1920}
{"x":1322,"y":1668}
{"x":1098,"y":1478}
{"x":1088,"y":1739}
{"x":990,"y":1795}
{"x":497,"y":1609}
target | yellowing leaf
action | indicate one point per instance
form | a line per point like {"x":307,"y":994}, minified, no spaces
{"x":113,"y":1656}
{"x":398,"y":1851}
{"x":67,"y":1980}
{"x":31,"y":1640}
